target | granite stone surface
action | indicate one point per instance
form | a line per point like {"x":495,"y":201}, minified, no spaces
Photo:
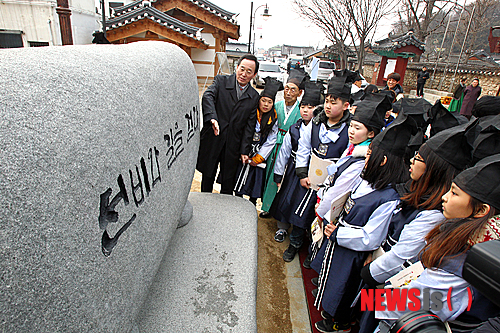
{"x":207,"y":281}
{"x":98,"y":145}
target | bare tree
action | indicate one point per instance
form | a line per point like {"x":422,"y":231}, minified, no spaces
{"x":365,"y":15}
{"x":425,"y":17}
{"x":342,"y":19}
{"x":330,"y":19}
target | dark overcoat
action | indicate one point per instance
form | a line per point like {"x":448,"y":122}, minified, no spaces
{"x":236,"y":120}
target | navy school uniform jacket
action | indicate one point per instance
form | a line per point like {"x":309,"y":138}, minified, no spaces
{"x":362,"y":228}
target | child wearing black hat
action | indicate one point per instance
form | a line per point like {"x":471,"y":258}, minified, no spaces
{"x":472,"y":208}
{"x":288,"y":114}
{"x":285,"y":202}
{"x":326,"y":136}
{"x":251,"y":176}
{"x":432,"y":171}
{"x":345,"y":175}
{"x":361,"y":228}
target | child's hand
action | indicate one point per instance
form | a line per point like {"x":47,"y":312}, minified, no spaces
{"x":252,"y":163}
{"x":330,"y":228}
{"x":304,"y":182}
{"x":368,"y":260}
{"x":244,"y":159}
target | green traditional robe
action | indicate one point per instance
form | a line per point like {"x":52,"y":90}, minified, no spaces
{"x":271,"y":187}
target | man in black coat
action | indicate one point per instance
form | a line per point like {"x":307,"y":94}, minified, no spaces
{"x":229,"y":108}
{"x":422,"y":77}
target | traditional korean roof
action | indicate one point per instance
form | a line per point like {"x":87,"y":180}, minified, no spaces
{"x":482,"y":55}
{"x":144,"y":11}
{"x":206,"y":5}
{"x":392,"y":43}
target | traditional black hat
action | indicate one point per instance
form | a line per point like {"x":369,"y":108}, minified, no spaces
{"x":371,"y":110}
{"x":454,"y":145}
{"x":271,"y":88}
{"x":441,"y":118}
{"x":312,"y":94}
{"x":415,"y":109}
{"x":357,"y":96}
{"x":297,"y":77}
{"x":488,"y":140}
{"x":486,"y":106}
{"x":482,"y":181}
{"x":391,"y":94}
{"x":340,"y":85}
{"x":394,"y":139}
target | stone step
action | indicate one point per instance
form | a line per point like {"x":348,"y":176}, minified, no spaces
{"x":433,"y":92}
{"x":207,"y":281}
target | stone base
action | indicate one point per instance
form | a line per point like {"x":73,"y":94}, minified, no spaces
{"x":207,"y":281}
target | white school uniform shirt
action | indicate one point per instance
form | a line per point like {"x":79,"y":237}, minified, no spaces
{"x":325,"y":137}
{"x":285,"y":151}
{"x":268,"y":145}
{"x":411,"y":241}
{"x":370,"y":236}
{"x":347,"y":181}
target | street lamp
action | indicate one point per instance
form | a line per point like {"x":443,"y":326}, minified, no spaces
{"x":265,"y":16}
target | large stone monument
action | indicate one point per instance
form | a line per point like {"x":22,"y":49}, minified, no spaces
{"x":98,"y":145}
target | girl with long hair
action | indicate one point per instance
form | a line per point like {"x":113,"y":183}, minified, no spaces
{"x":362,"y":226}
{"x":432,"y":171}
{"x":472,"y":208}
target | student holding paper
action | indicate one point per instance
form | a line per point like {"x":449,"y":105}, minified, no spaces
{"x":290,"y":193}
{"x":361,"y":228}
{"x":325,"y":136}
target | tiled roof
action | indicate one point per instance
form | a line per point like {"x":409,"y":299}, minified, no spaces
{"x":399,"y":41}
{"x":145,"y":11}
{"x":206,"y":5}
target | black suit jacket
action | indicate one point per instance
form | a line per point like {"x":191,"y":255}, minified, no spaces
{"x":236,"y":120}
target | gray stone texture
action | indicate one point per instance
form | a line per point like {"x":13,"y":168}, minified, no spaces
{"x":207,"y":281}
{"x":75,"y":119}
{"x":187,"y":214}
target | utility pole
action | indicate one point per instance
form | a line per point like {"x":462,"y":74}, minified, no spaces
{"x":250,"y":32}
{"x":103,"y":6}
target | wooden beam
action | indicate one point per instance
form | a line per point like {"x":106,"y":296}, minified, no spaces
{"x":153,"y":27}
{"x":199,"y":13}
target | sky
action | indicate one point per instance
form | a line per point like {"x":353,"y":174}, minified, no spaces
{"x":285,"y":26}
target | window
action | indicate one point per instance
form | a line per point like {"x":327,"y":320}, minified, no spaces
{"x":38,"y":44}
{"x":326,"y":65}
{"x":269,"y":68}
{"x":10,"y":39}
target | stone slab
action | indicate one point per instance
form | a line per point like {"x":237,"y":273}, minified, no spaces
{"x":80,"y":127}
{"x":207,"y":281}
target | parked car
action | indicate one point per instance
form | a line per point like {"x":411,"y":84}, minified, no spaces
{"x":364,"y":83}
{"x":325,"y":69}
{"x":267,"y":69}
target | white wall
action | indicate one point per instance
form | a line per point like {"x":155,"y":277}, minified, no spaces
{"x":40,"y":23}
{"x":208,"y":55}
